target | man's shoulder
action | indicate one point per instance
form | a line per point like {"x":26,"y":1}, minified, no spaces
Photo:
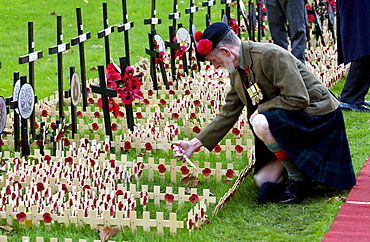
{"x":258,"y":46}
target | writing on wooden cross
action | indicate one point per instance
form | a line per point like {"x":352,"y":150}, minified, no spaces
{"x":106,"y":32}
{"x":105,"y":94}
{"x":124,"y":28}
{"x":153,"y":20}
{"x":80,"y":39}
{"x":30,"y":58}
{"x":59,"y":49}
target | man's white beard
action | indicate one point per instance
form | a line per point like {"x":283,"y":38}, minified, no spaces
{"x":229,"y":66}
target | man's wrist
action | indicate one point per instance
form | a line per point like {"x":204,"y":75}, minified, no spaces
{"x":196,"y":143}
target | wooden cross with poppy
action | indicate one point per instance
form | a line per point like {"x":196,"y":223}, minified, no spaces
{"x":105,"y":94}
{"x":30,"y":58}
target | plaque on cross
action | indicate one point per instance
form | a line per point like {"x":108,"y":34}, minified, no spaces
{"x":105,"y":94}
{"x":153,"y":20}
{"x":59,"y":49}
{"x":80,"y":39}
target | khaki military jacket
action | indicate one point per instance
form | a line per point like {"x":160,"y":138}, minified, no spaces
{"x":285,"y":82}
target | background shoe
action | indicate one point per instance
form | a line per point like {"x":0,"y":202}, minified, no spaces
{"x":367,"y":103}
{"x":354,"y":107}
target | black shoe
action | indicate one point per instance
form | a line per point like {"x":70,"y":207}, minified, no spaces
{"x":296,"y":192}
{"x":367,"y":103}
{"x":354,"y":107}
{"x":270,"y":192}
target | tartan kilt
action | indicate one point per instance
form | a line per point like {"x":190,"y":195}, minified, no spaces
{"x":318,"y":145}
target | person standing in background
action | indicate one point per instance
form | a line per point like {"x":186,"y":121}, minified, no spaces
{"x":293,"y":11}
{"x":353,"y":30}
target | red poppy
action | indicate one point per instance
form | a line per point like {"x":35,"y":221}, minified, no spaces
{"x":119,"y":192}
{"x":47,"y":217}
{"x":193,"y":116}
{"x":44,"y":113}
{"x":162,"y":101}
{"x":190,"y":223}
{"x":66,"y":142}
{"x":187,"y":92}
{"x":238,"y":148}
{"x":196,"y":129}
{"x":40,"y":186}
{"x":235,"y":131}
{"x":196,"y":102}
{"x":8,"y":190}
{"x":206,"y":171}
{"x":68,"y":160}
{"x":161,"y":168}
{"x":150,"y":92}
{"x":17,"y":185}
{"x":167,"y":66}
{"x":114,"y":126}
{"x":217,"y":148}
{"x":1,"y":143}
{"x":311,"y":17}
{"x":121,"y":114}
{"x":21,"y":216}
{"x":194,"y":198}
{"x":175,"y":115}
{"x":91,"y":100}
{"x":139,"y":115}
{"x":169,"y":197}
{"x":229,"y":173}
{"x":184,"y":170}
{"x":127,"y":145}
{"x":65,"y":188}
{"x":86,"y":187}
{"x":146,"y":101}
{"x":194,"y":67}
{"x":204,"y":47}
{"x":47,"y":158}
{"x":198,"y":35}
{"x":95,"y":126}
{"x":148,"y":146}
{"x":79,"y":114}
{"x":97,"y":114}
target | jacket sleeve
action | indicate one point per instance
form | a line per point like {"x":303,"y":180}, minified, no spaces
{"x":282,"y":71}
{"x":223,"y":122}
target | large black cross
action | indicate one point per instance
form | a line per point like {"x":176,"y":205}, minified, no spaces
{"x":252,"y":20}
{"x":30,"y":58}
{"x":261,"y":32}
{"x":208,"y":4}
{"x":80,"y":39}
{"x":12,"y":103}
{"x":24,"y":128}
{"x":59,"y":49}
{"x":125,"y":27}
{"x":171,"y":44}
{"x":106,"y":32}
{"x":227,"y":8}
{"x":191,"y":10}
{"x":151,"y":52}
{"x":105,"y":94}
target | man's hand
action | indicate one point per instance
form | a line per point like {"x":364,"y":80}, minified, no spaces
{"x":188,"y":147}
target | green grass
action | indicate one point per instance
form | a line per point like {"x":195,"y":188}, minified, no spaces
{"x":241,"y":219}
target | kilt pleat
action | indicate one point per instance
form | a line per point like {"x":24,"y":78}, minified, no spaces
{"x":318,"y":145}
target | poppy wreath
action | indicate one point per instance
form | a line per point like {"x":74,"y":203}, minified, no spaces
{"x":126,"y":86}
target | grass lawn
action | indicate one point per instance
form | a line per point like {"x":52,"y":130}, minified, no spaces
{"x":241,"y":219}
